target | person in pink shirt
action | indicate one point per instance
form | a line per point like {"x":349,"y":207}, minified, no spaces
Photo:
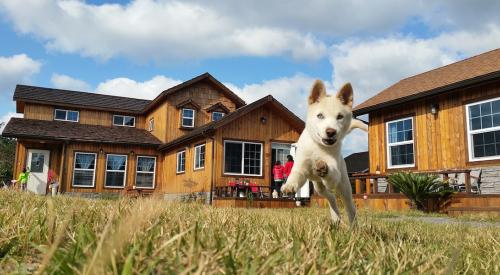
{"x":278,"y":176}
{"x":288,"y":166}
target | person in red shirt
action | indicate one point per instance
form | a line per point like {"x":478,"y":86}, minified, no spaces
{"x":288,"y":166}
{"x":278,"y":176}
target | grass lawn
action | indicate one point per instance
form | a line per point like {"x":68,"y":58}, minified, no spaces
{"x":73,"y":235}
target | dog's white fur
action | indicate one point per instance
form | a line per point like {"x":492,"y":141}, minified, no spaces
{"x":325,"y":114}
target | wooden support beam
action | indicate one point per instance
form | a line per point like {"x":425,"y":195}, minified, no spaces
{"x":358,"y":185}
{"x":467,"y":183}
{"x":368,"y":185}
{"x":375,"y":185}
{"x":391,"y":188}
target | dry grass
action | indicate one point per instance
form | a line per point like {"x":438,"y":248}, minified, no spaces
{"x":71,"y":235}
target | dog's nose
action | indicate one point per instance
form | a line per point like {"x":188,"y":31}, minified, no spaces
{"x":330,"y":132}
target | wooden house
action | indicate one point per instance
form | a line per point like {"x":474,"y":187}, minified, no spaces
{"x":444,"y":119}
{"x":190,"y":138}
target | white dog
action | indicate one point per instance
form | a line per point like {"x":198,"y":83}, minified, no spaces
{"x":319,"y":157}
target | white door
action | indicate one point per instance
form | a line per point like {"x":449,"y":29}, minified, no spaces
{"x":38,"y":165}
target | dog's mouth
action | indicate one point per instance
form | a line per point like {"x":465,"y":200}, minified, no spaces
{"x":329,"y":141}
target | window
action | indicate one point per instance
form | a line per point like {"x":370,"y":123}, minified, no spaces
{"x":242,"y":158}
{"x":66,"y":115}
{"x":400,"y":149}
{"x":217,"y":115}
{"x":119,"y":120}
{"x":151,"y":124}
{"x":181,"y":162}
{"x":145,"y":172}
{"x":187,"y":118}
{"x":483,"y":129}
{"x":116,"y":167}
{"x":199,"y":157}
{"x":84,"y":170}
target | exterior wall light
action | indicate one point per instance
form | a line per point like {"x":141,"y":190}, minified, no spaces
{"x":434,"y":108}
{"x":263,"y":120}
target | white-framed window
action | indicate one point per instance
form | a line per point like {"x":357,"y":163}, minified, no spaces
{"x":119,"y":120}
{"x":116,"y":171}
{"x":242,"y":158}
{"x":66,"y":115}
{"x":400,"y":144}
{"x":84,"y":169}
{"x":181,"y":162}
{"x":217,"y":115}
{"x":483,"y":129}
{"x":199,"y":157}
{"x":145,"y":172}
{"x":187,"y":117}
{"x":151,"y":125}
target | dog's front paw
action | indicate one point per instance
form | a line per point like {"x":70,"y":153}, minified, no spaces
{"x":288,"y":188}
{"x":321,"y":168}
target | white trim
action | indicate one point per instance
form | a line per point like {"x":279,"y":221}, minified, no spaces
{"x":212,"y":115}
{"x":151,"y":125}
{"x":123,"y":124}
{"x":95,"y":167}
{"x":124,"y":171}
{"x":195,"y":154}
{"x":136,"y":172}
{"x":242,"y":158}
{"x":388,"y":149}
{"x":66,"y":117}
{"x":479,"y":131}
{"x":182,"y":117}
{"x":177,"y":171}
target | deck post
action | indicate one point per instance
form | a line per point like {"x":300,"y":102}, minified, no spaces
{"x":390,"y":187}
{"x":368,"y":185}
{"x":358,"y":185}
{"x":467,"y":183}
{"x":375,"y":185}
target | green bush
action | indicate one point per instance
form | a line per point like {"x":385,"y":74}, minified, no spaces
{"x":419,"y":188}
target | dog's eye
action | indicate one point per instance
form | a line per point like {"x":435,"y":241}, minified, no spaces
{"x":320,"y":116}
{"x":340,"y":116}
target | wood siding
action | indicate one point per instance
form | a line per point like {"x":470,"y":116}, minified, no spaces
{"x":441,"y":139}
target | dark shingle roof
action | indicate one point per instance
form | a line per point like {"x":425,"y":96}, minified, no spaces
{"x":208,"y":128}
{"x":79,"y":99}
{"x":70,"y":131}
{"x":357,"y":162}
{"x":466,"y":72}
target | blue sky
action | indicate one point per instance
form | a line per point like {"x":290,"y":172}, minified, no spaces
{"x":138,"y":48}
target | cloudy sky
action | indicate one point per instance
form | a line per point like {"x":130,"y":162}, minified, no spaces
{"x":139,"y":48}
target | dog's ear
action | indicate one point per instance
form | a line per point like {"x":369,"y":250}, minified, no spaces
{"x":345,"y":94}
{"x":318,"y":91}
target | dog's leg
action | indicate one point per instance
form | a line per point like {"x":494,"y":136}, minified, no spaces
{"x":344,"y":188}
{"x":296,"y":179}
{"x":323,"y":191}
{"x":320,"y":168}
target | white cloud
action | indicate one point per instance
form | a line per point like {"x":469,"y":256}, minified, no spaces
{"x":148,"y":89}
{"x":16,"y":69}
{"x":6,"y":117}
{"x":62,"y":81}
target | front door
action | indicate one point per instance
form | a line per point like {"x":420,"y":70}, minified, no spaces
{"x":279,"y":151}
{"x":38,"y":165}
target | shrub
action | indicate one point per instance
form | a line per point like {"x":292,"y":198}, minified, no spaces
{"x":419,"y":188}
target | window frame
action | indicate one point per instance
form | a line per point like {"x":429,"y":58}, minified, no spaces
{"x":125,"y":172}
{"x":177,"y":171}
{"x":389,"y":145}
{"x":470,"y":146}
{"x":66,"y":117}
{"x":137,"y":172}
{"x":196,"y":154}
{"x":212,"y":115}
{"x":151,"y":125}
{"x":123,"y":125}
{"x":243,"y":158}
{"x":193,"y":118}
{"x":74,"y":169}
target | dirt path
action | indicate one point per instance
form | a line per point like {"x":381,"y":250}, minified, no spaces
{"x":446,"y":220}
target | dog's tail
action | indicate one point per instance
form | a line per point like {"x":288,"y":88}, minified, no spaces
{"x":356,"y":123}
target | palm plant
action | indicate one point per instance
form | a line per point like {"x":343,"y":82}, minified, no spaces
{"x":419,"y":187}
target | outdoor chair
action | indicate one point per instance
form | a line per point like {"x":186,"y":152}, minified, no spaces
{"x":475,"y":181}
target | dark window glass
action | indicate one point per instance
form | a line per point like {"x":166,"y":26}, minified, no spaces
{"x":486,"y":109}
{"x":37,"y":161}
{"x":118,"y":120}
{"x":232,"y":157}
{"x":486,"y":144}
{"x":73,"y":116}
{"x":401,"y":154}
{"x":115,"y":170}
{"x":60,"y":114}
{"x":84,"y":168}
{"x":129,"y":121}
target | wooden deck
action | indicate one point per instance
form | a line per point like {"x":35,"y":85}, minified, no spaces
{"x":254,"y":203}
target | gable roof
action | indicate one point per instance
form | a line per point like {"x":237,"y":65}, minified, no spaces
{"x":218,"y":106}
{"x":209,"y":128}
{"x":77,"y":99}
{"x":71,"y":131}
{"x":203,"y":77}
{"x":357,"y":162}
{"x":470,"y":71}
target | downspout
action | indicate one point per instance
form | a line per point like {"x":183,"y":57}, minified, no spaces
{"x":62,"y":166}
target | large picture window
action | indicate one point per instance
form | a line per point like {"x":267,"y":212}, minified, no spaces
{"x":145,"y":172}
{"x":199,"y":157}
{"x":242,"y":158}
{"x":187,"y":117}
{"x":84,"y":170}
{"x":119,"y":120}
{"x":66,"y":115}
{"x":181,"y":162}
{"x":483,"y":129}
{"x":116,"y":167}
{"x":400,"y":145}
